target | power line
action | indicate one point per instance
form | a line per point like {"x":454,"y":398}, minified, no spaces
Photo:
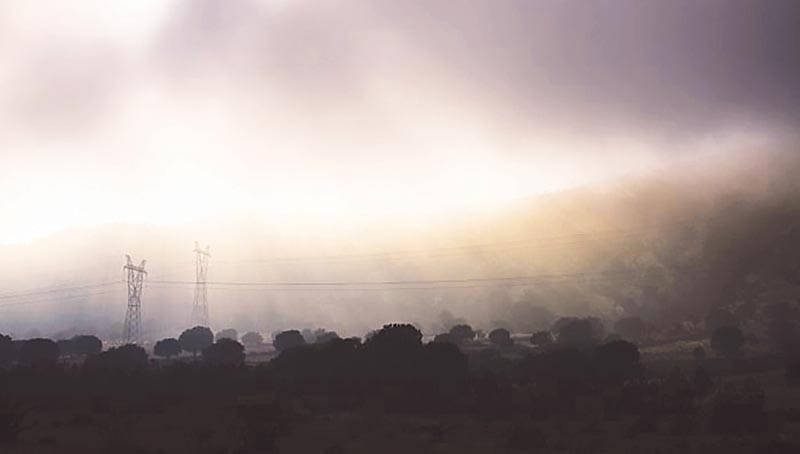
{"x":422,"y":283}
{"x":57,"y":299}
{"x":59,"y":290}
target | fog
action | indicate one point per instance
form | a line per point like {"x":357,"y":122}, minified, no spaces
{"x":383,"y":141}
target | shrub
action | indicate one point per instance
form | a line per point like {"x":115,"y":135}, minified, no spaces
{"x":124,"y":359}
{"x":38,"y":352}
{"x":252,"y":340}
{"x":224,"y":352}
{"x":288,"y":339}
{"x":462,"y":333}
{"x":229,"y":333}
{"x":500,"y":337}
{"x":167,"y":348}
{"x":541,"y":338}
{"x":86,"y":345}
{"x":616,"y":361}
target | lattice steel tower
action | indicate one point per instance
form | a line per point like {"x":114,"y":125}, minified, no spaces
{"x":132,"y":333}
{"x":200,"y":307}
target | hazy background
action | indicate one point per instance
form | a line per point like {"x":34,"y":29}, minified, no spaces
{"x":286,"y":128}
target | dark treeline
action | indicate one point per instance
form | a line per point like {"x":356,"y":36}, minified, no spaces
{"x":572,"y":372}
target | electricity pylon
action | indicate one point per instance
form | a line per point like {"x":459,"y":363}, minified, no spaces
{"x":133,"y":317}
{"x":200,"y":306}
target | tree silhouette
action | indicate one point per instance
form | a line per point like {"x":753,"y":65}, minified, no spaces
{"x":7,"y":350}
{"x":228,"y":333}
{"x":38,"y":352}
{"x":616,"y":361}
{"x":125,"y":359}
{"x":541,"y":338}
{"x":224,"y":352}
{"x":579,"y":332}
{"x":323,"y":336}
{"x":500,"y":337}
{"x":727,"y":341}
{"x":196,"y":339}
{"x":462,"y":333}
{"x":444,"y":337}
{"x":394,"y":337}
{"x":167,"y":348}
{"x":86,"y":345}
{"x":252,"y":340}
{"x":288,"y":339}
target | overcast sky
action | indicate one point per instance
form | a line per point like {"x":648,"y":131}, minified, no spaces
{"x":164,"y":111}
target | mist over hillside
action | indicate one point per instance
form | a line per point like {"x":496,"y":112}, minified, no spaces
{"x":666,"y":246}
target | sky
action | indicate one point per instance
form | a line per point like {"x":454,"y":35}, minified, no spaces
{"x":173,"y":111}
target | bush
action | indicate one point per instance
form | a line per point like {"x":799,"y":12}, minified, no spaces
{"x":727,"y":341}
{"x":322,"y":336}
{"x":616,"y":362}
{"x":7,"y":351}
{"x":224,"y":352}
{"x":86,"y":345}
{"x":444,"y":337}
{"x":541,"y":338}
{"x":38,"y":352}
{"x":462,"y":333}
{"x":125,"y":359}
{"x":500,"y":337}
{"x":288,"y":339}
{"x":229,"y":333}
{"x":252,"y":340}
{"x":579,"y":332}
{"x":167,"y":348}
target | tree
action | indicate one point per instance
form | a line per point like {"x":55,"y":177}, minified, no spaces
{"x":125,"y":359}
{"x":7,"y":350}
{"x":394,"y":337}
{"x":500,"y":337}
{"x":727,"y":341}
{"x":322,"y":336}
{"x":579,"y":331}
{"x":632,"y":329}
{"x":252,"y":340}
{"x":462,"y":333}
{"x":38,"y":352}
{"x":167,"y":348}
{"x":288,"y":339}
{"x":196,"y":339}
{"x":444,"y":337}
{"x":229,"y":333}
{"x":65,"y":347}
{"x":224,"y":352}
{"x":541,"y":338}
{"x":616,"y":361}
{"x":86,"y":345}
